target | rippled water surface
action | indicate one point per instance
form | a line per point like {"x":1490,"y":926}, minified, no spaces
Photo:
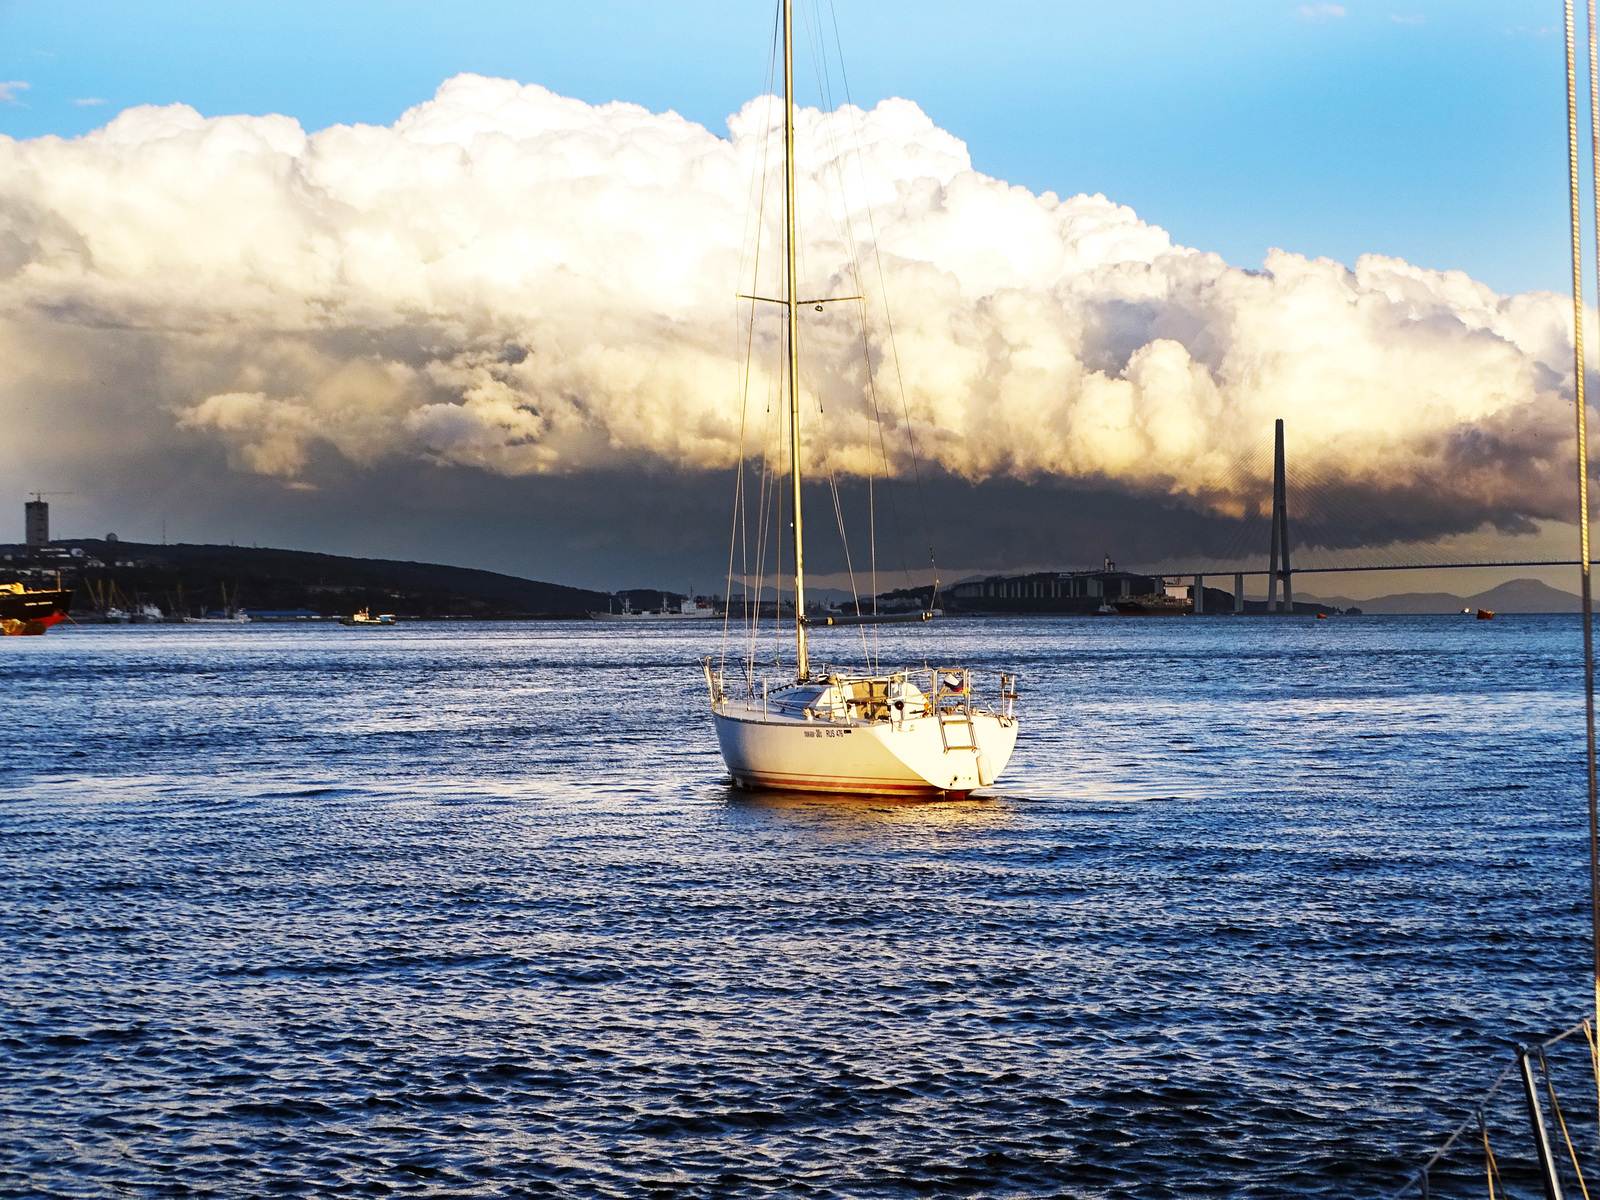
{"x":470,"y":910}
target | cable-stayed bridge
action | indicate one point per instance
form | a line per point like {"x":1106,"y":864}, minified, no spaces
{"x":1280,"y":570}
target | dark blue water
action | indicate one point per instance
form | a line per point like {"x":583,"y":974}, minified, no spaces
{"x":469,"y":910}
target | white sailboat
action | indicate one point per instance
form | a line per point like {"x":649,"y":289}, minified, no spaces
{"x":919,"y":733}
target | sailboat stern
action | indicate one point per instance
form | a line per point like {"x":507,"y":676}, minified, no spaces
{"x":972,"y":759}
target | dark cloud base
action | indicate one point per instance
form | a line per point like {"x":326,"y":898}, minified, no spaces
{"x":671,"y":529}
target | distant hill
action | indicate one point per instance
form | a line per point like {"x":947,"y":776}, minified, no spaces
{"x":190,"y":578}
{"x":1513,"y":596}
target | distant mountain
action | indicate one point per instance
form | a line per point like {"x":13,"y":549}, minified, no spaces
{"x":1526,"y":596}
{"x":1513,"y":596}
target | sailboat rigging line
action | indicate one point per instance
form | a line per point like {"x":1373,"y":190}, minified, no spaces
{"x":819,"y":62}
{"x":888,"y":316}
{"x":830,"y":128}
{"x":775,"y":523}
{"x":740,"y":530}
{"x":771,"y":501}
{"x":838,"y":516}
{"x":797,"y":511}
{"x":866,"y":346}
{"x":767,"y":522}
{"x":850,"y":570}
{"x":819,"y":46}
{"x":1580,"y":368}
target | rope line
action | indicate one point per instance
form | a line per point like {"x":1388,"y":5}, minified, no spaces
{"x":1490,"y":1167}
{"x":1594,"y":1060}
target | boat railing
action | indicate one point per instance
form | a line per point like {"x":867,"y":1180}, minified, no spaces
{"x":1500,"y":1141}
{"x":895,"y":696}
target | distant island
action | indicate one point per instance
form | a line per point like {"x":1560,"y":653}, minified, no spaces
{"x":186,"y":580}
{"x":190,"y":580}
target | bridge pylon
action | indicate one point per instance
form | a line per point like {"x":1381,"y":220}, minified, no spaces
{"x":1280,"y":531}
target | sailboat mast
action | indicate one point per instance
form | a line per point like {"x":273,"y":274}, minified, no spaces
{"x":802,"y":662}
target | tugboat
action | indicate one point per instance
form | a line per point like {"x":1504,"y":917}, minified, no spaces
{"x":23,"y":612}
{"x":366,"y":620}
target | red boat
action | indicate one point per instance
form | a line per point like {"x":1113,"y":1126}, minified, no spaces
{"x":24,"y":612}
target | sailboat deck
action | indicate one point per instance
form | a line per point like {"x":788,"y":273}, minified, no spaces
{"x":892,"y":699}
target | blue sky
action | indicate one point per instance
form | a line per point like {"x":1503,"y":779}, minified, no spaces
{"x":1419,"y":128}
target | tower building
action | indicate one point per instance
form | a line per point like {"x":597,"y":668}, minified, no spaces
{"x":36,"y":523}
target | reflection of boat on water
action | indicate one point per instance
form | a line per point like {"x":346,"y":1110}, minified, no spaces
{"x":25,"y":613}
{"x":688,"y":610}
{"x":914,"y":732}
{"x":364,"y":619}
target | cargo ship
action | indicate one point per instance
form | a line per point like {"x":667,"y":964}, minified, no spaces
{"x":687,"y":610}
{"x":27,"y":612}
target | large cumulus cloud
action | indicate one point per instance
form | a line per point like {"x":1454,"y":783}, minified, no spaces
{"x":516,"y":282}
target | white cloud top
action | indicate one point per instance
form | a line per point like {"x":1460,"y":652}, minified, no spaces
{"x":514,"y":281}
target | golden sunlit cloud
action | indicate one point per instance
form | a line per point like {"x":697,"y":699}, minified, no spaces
{"x":517,"y":282}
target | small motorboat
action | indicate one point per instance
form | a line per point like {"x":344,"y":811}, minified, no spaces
{"x":366,"y":620}
{"x":1486,"y":614}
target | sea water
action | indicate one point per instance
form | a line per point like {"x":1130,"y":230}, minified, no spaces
{"x":464,"y":909}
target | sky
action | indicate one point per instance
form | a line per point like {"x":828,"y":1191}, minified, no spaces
{"x":1425,"y":132}
{"x":1428,"y":130}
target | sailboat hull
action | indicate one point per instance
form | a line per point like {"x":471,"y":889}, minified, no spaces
{"x":903,"y":758}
